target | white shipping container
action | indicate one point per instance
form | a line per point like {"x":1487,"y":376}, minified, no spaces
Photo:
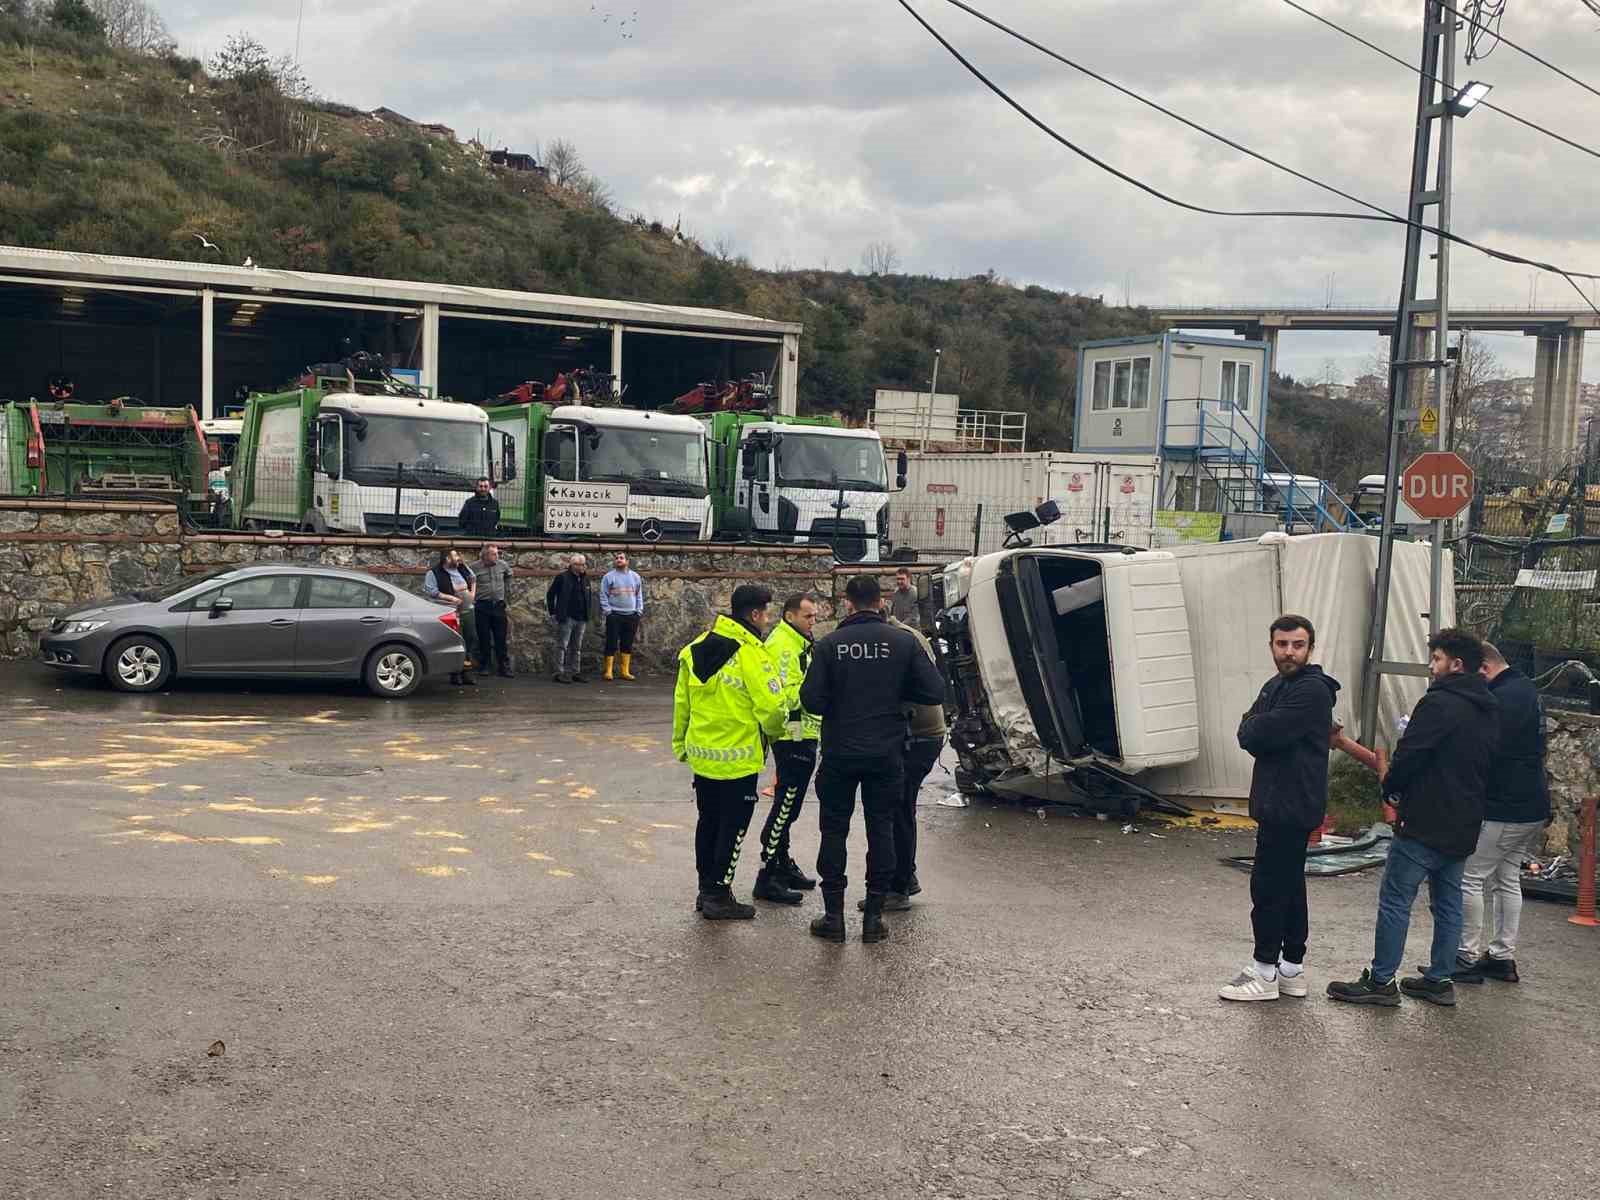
{"x":1102,"y":497}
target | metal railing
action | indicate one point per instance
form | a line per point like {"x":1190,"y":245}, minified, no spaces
{"x":967,"y":430}
{"x":1233,"y":438}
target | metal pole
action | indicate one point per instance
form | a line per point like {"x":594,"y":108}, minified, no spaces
{"x":977,"y":530}
{"x":1441,"y":340}
{"x":1400,"y":353}
{"x":933,"y":390}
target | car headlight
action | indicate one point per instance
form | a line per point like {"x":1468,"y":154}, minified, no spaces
{"x":78,"y":627}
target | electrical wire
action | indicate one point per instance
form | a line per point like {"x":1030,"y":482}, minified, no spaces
{"x":1416,"y":70}
{"x":1497,"y":14}
{"x":1379,"y":214}
{"x":1523,"y":50}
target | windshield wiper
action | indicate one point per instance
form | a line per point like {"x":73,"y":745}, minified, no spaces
{"x":802,"y":482}
{"x":860,"y":485}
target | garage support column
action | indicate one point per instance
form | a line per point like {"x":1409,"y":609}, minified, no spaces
{"x":616,"y":355}
{"x":430,"y":347}
{"x":789,"y":376}
{"x":208,"y":354}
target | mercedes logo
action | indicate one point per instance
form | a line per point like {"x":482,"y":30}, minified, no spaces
{"x":424,"y":525}
{"x":650,"y":530}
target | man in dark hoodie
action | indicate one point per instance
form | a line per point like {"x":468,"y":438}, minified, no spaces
{"x":1515,"y":814}
{"x":1287,"y":732}
{"x":861,"y":677}
{"x":1437,"y":782}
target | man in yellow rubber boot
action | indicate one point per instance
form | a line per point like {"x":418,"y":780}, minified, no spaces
{"x":729,"y":701}
{"x":622,"y":606}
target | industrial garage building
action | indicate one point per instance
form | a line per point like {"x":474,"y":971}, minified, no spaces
{"x":178,"y":333}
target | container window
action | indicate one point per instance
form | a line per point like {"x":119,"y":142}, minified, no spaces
{"x":1102,"y":386}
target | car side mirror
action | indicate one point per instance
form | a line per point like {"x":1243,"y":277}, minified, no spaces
{"x":222,"y":604}
{"x":750,"y":461}
{"x":901,"y":466}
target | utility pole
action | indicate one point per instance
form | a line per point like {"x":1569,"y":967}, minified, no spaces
{"x":933,"y":390}
{"x":1436,"y":90}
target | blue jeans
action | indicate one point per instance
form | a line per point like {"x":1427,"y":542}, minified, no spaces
{"x":1410,"y":862}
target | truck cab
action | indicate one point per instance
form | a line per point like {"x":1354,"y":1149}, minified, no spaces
{"x":805,"y":481}
{"x":661,"y":457}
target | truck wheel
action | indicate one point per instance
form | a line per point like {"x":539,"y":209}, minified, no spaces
{"x":393,"y":671}
{"x":139,"y":663}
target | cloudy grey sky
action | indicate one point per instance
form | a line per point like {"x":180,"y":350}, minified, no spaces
{"x":800,"y":132}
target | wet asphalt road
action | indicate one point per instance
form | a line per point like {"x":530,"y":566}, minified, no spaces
{"x":471,"y":970}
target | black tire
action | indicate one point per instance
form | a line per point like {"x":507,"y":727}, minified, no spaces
{"x":393,"y":671}
{"x":138,"y":663}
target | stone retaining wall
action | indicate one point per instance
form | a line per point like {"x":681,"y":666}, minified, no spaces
{"x":56,"y":554}
{"x":1573,"y":760}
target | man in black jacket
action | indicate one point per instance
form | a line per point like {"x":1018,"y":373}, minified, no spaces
{"x":1515,"y":814}
{"x":861,"y":676}
{"x":567,"y":601}
{"x":1437,"y":782}
{"x":1286,"y":731}
{"x":480,"y":515}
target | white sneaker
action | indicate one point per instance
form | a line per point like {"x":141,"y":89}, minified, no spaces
{"x":1248,"y":985}
{"x":1293,"y":985}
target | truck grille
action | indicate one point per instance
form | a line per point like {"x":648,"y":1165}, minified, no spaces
{"x":671,"y":531}
{"x":384,"y":522}
{"x":848,"y":538}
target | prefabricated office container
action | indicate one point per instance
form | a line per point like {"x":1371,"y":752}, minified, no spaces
{"x":1103,"y":498}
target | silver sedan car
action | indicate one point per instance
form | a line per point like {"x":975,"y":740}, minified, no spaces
{"x":276,"y":621}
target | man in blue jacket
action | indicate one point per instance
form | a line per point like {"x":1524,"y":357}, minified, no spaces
{"x":1287,"y":732}
{"x":1437,"y":783}
{"x":1516,"y":811}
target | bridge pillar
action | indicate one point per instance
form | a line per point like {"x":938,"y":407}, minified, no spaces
{"x":1553,"y":417}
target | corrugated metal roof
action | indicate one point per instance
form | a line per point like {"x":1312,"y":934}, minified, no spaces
{"x":58,"y":265}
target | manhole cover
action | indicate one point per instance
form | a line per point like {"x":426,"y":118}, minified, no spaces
{"x":333,"y":770}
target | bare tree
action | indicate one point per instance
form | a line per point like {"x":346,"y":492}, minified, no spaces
{"x":1475,"y":381}
{"x":880,"y":258}
{"x":562,"y":161}
{"x":133,"y":25}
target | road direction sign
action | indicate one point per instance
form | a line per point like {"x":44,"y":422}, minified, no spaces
{"x":1437,"y":485}
{"x":586,"y":508}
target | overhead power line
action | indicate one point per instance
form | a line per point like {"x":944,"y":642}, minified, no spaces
{"x":1416,"y":70}
{"x":1378,"y":213}
{"x":1523,"y":50}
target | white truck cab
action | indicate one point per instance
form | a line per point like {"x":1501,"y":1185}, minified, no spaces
{"x":815,"y":483}
{"x":661,"y":457}
{"x":392,"y":464}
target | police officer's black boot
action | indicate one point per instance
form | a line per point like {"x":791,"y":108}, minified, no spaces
{"x":791,"y":874}
{"x":721,"y":906}
{"x":872,"y":927}
{"x":830,"y":925}
{"x":770,"y":886}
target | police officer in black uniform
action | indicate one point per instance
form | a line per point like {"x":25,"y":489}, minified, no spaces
{"x":861,"y":676}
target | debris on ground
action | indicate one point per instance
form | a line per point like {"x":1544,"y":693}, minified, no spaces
{"x":954,"y":800}
{"x":216,"y":1049}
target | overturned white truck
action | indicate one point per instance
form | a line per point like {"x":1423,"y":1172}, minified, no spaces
{"x":1109,"y":677}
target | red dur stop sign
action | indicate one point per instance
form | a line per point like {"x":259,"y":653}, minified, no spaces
{"x":1437,"y":486}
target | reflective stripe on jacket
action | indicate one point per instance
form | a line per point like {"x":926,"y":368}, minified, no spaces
{"x":728,"y":695}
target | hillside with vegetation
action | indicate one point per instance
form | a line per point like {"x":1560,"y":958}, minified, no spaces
{"x":114,"y":143}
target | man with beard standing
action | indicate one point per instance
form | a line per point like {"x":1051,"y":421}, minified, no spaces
{"x":1437,"y":782}
{"x":1287,"y":731}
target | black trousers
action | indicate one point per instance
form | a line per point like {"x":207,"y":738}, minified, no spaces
{"x":796,"y":761}
{"x":725,"y":807}
{"x":1278,"y":912}
{"x":620,"y":631}
{"x":880,"y":781}
{"x":494,"y":630}
{"x":921,"y":755}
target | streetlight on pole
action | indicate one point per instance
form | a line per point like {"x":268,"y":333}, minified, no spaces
{"x":933,"y":390}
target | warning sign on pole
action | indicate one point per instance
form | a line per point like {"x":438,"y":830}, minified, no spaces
{"x":1428,"y":421}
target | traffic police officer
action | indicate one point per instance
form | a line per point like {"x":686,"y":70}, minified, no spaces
{"x":728,"y":696}
{"x":860,"y":677}
{"x":795,"y":753}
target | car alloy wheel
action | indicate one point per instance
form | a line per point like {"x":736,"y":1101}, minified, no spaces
{"x":395,"y":671}
{"x":139,"y":665}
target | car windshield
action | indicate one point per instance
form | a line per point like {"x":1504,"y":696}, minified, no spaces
{"x":650,"y":460}
{"x":155,"y":595}
{"x":426,"y":452}
{"x":820,"y":460}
